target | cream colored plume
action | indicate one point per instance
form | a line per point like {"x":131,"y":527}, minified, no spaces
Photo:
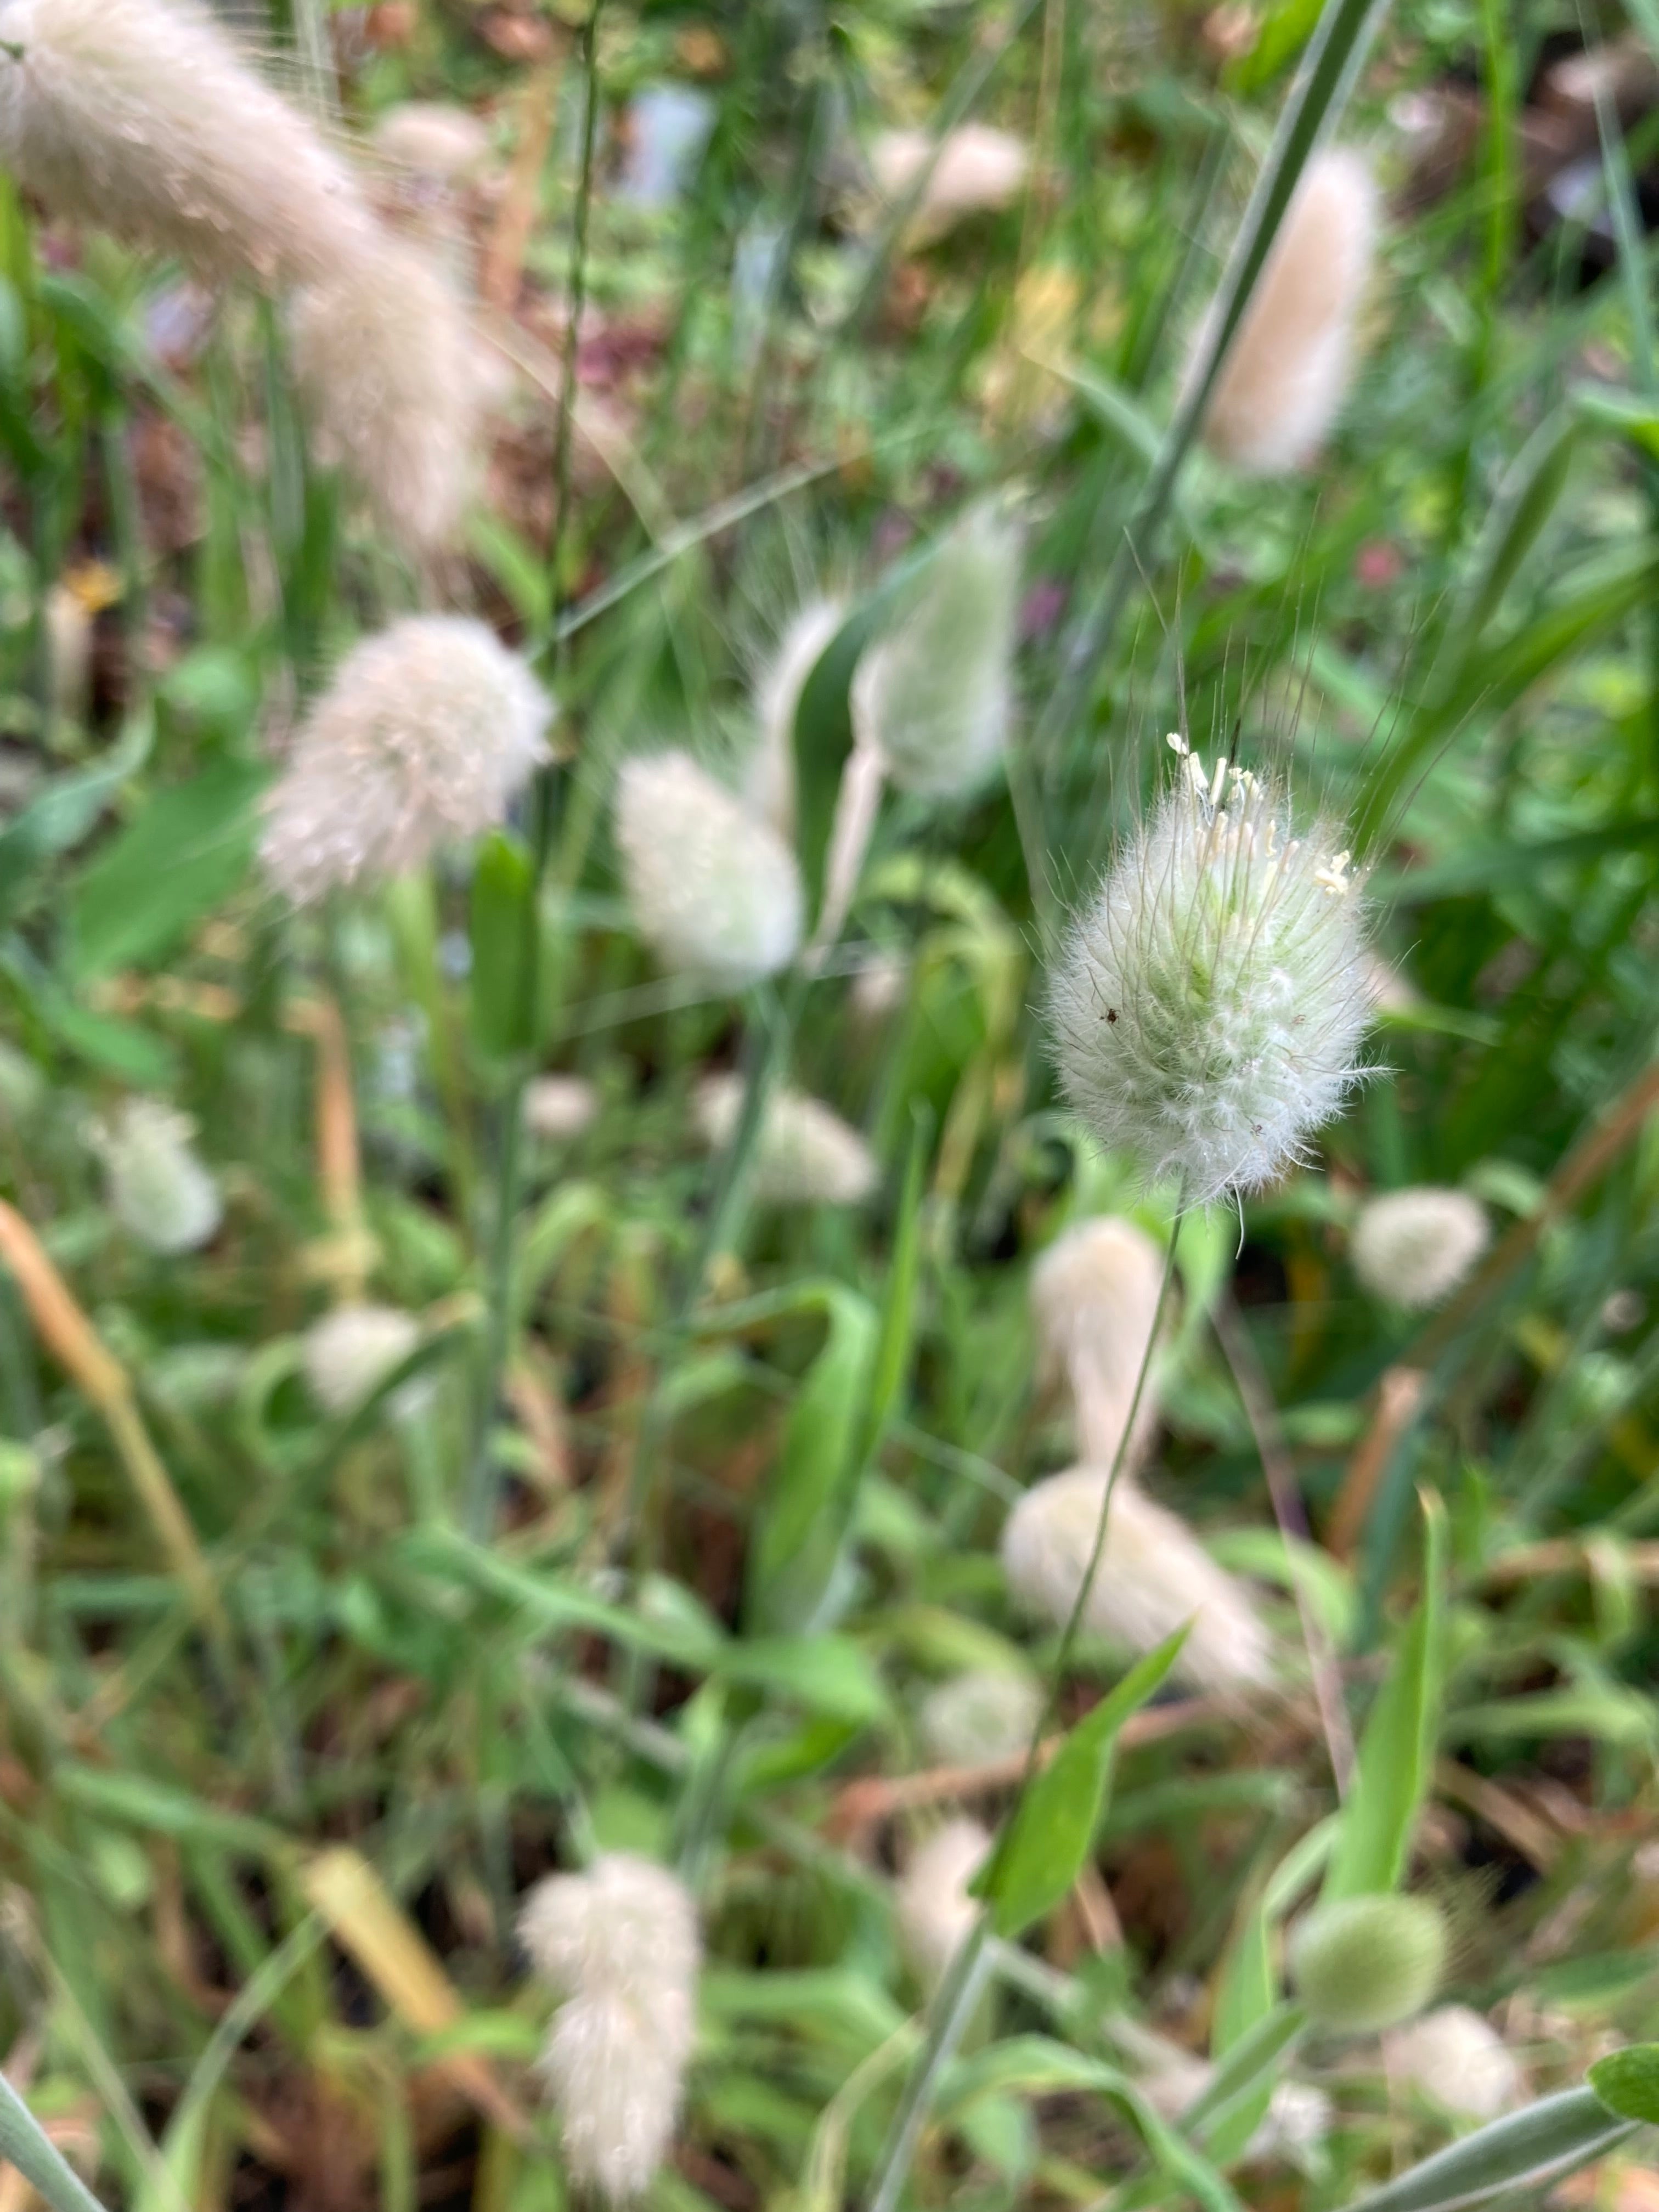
{"x":769,"y":783}
{"x":1094,"y":1299}
{"x":1154,"y":1576}
{"x":1288,"y":369}
{"x":933,"y":1907}
{"x":805,"y":1154}
{"x":978,"y":170}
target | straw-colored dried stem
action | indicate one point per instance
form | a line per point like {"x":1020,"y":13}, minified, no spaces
{"x":100,"y":1378}
{"x":339,"y":1164}
{"x":509,"y":236}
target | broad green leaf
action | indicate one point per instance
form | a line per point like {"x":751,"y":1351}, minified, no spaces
{"x":1627,"y":2082}
{"x":1247,"y":2075}
{"x":503,"y":927}
{"x":1397,"y":1753}
{"x":1044,"y":1849}
{"x":1529,"y":2149}
{"x":180,"y":856}
{"x":828,"y":1673}
{"x":1244,"y":1998}
{"x":61,"y":815}
{"x":808,"y":1505}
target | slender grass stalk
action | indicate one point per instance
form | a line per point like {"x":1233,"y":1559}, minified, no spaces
{"x":953,"y":2003}
{"x":575,"y":300}
{"x":25,"y":2144}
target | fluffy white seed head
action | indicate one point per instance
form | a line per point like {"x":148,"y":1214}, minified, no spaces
{"x":769,"y":783}
{"x":1094,"y":1298}
{"x":425,"y":734}
{"x":558,"y":1107}
{"x":1289,"y":366}
{"x":934,"y":1910}
{"x":1458,"y":2061}
{"x":1154,"y":1576}
{"x":619,"y":1946}
{"x":986,"y":1714}
{"x":159,"y":1191}
{"x":394,"y":382}
{"x":933,"y":694}
{"x":978,"y":170}
{"x":143,"y":118}
{"x":430,"y":138}
{"x":348,"y":1353}
{"x":1295,"y":2127}
{"x":806,"y":1155}
{"x":1210,"y":1004}
{"x":1413,"y":1247}
{"x":714,"y":891}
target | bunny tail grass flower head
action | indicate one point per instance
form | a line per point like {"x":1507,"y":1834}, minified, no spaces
{"x":806,"y":1155}
{"x":1209,"y":1006}
{"x":390,"y":373}
{"x":619,"y":1947}
{"x":1365,"y":1963}
{"x":988,"y":1713}
{"x":933,"y":694}
{"x":1154,"y":1576}
{"x":1288,"y":368}
{"x":1413,"y":1248}
{"x":934,"y":1910}
{"x":348,"y":1353}
{"x":979,"y":169}
{"x":143,"y":118}
{"x":1457,"y":2060}
{"x":1094,"y":1302}
{"x":769,"y":781}
{"x":425,"y":733}
{"x":159,"y":1191}
{"x":713,"y":890}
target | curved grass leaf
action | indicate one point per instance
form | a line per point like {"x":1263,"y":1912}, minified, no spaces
{"x":1529,"y":2149}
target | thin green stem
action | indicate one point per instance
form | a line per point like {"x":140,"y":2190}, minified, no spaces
{"x":575,"y":300}
{"x":953,"y":2003}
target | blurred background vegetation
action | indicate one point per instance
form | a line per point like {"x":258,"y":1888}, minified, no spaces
{"x":273,"y":1780}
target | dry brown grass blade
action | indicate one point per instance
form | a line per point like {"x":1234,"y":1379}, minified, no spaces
{"x":340,"y":1170}
{"x":100,"y":1377}
{"x":367,"y":1921}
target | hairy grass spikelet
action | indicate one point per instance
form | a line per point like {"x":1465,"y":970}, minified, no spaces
{"x":425,"y":733}
{"x":1209,"y":1006}
{"x":143,"y":118}
{"x":1456,"y":2059}
{"x":769,"y":781}
{"x":619,"y":1946}
{"x":348,"y":1353}
{"x":1094,"y":1300}
{"x":1154,"y":1576}
{"x":1288,"y":369}
{"x":1413,"y":1248}
{"x":433,"y":138}
{"x":980,"y":169}
{"x":558,"y":1107}
{"x":933,"y":694}
{"x":806,"y":1155}
{"x":392,"y":377}
{"x":1365,"y":1963}
{"x":986,"y":1714}
{"x":714,"y":891}
{"x":159,"y":1191}
{"x":934,"y":1911}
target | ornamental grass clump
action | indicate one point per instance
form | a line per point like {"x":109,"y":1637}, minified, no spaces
{"x":1209,"y":1006}
{"x":426,"y":732}
{"x":933,"y":694}
{"x":1413,"y":1248}
{"x":143,"y":118}
{"x":1288,"y":368}
{"x":712,"y":889}
{"x":1361,"y":1964}
{"x":1094,"y":1302}
{"x":618,"y":1945}
{"x":1153,"y":1578}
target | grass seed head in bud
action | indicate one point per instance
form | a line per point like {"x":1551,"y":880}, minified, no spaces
{"x":933,"y":694}
{"x":426,"y":732}
{"x":1413,"y":1248}
{"x":1367,"y":1963}
{"x":714,"y":891}
{"x":1209,"y":1006}
{"x":618,"y":1945}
